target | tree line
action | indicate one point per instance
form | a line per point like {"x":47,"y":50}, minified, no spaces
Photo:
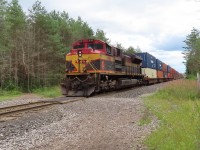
{"x":192,"y":53}
{"x":33,"y":45}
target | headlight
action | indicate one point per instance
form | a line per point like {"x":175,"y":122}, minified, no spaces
{"x":84,"y":69}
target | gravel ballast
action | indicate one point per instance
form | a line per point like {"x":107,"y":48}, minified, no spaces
{"x":106,"y":121}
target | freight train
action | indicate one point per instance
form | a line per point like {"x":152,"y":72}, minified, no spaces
{"x":94,"y":66}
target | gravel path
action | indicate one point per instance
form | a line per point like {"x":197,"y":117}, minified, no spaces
{"x":107,"y":122}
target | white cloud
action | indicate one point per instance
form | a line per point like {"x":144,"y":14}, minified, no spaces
{"x":153,"y":25}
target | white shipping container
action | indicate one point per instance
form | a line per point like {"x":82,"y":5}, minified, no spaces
{"x":150,"y":73}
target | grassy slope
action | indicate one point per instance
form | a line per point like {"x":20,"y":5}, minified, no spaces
{"x":6,"y":95}
{"x":48,"y":92}
{"x":178,"y":108}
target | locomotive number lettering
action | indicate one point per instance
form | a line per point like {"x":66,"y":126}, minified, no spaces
{"x":81,"y":61}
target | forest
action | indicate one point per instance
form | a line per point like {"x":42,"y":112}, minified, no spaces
{"x":33,"y":45}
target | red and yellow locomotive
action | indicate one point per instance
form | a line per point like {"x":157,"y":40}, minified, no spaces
{"x":94,"y":66}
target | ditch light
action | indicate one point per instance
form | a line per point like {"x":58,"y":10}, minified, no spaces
{"x":79,"y":53}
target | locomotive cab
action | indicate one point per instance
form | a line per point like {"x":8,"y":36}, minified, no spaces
{"x":87,"y":56}
{"x":89,"y":47}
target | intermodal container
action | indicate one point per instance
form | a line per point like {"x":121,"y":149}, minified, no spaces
{"x":150,"y":73}
{"x":148,"y":61}
{"x":168,"y":69}
{"x":159,"y":65}
{"x":169,"y":75}
{"x":160,"y":74}
{"x":172,"y":71}
{"x":165,"y":75}
{"x":164,"y":67}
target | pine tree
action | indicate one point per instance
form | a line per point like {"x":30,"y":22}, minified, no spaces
{"x":130,"y":50}
{"x":192,"y":52}
{"x":101,"y":35}
{"x":3,"y":47}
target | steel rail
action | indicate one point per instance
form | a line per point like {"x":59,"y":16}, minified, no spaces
{"x":31,"y":106}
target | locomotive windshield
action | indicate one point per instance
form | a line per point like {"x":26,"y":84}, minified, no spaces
{"x":95,"y":46}
{"x":78,"y":46}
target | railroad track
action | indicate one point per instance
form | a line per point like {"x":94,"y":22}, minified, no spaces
{"x":15,"y":111}
{"x":12,"y":112}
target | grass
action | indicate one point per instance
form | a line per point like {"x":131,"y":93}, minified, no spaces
{"x":191,"y":77}
{"x":7,"y":95}
{"x":48,"y":92}
{"x":146,"y":118}
{"x":177,"y":106}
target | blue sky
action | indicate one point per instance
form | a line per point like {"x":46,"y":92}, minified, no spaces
{"x":156,"y":26}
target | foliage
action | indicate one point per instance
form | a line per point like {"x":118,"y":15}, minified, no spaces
{"x":138,"y":50}
{"x":49,"y":92}
{"x":3,"y":8}
{"x":192,"y":52}
{"x":119,"y":45}
{"x":146,"y":118}
{"x":130,"y":50}
{"x":101,"y":35}
{"x":7,"y":95}
{"x":191,"y":77}
{"x":177,"y":106}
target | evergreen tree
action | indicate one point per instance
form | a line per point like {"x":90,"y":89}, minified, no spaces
{"x":192,"y":52}
{"x":130,"y":50}
{"x":119,"y":45}
{"x":138,"y":50}
{"x":101,"y":35}
{"x":3,"y":7}
{"x":80,"y":30}
{"x":3,"y":44}
{"x":15,"y":27}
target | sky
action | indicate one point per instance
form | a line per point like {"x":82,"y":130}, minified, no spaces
{"x":156,"y":26}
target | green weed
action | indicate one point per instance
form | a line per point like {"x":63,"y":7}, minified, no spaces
{"x":146,"y":118}
{"x":8,"y":95}
{"x":49,"y":92}
{"x":178,"y":108}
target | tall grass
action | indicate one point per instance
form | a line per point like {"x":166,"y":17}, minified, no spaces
{"x":8,"y":95}
{"x":49,"y":92}
{"x":177,"y":106}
